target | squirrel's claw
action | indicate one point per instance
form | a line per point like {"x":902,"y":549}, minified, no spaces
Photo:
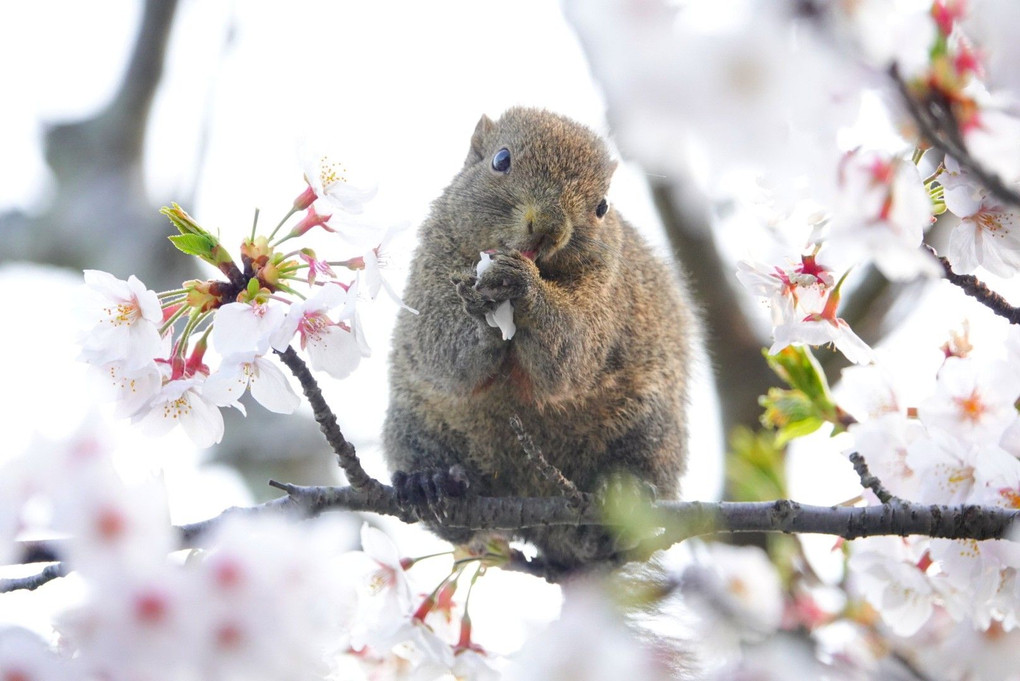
{"x":474,"y":304}
{"x":426,"y":491}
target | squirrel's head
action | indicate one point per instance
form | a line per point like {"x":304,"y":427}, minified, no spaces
{"x":536,"y":182}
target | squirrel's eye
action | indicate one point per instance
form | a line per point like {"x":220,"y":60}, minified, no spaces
{"x":501,"y":161}
{"x":601,"y":209}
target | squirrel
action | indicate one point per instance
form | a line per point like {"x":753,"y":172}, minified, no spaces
{"x":598,"y":368}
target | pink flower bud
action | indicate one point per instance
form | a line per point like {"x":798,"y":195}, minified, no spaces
{"x":305,"y":199}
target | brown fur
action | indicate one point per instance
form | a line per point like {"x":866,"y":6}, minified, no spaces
{"x":599,"y":366}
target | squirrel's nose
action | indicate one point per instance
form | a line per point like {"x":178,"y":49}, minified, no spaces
{"x":538,"y":221}
{"x":531,"y":214}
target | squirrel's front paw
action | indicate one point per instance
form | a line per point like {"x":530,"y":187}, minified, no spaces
{"x":510,"y":277}
{"x":474,"y":304}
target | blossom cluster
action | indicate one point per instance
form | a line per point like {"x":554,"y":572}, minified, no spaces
{"x":262,"y":596}
{"x":957,"y":446}
{"x":772,"y":93}
{"x":262,"y":601}
{"x":150,"y":349}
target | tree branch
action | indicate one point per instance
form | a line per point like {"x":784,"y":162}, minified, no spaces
{"x":870,"y":481}
{"x":33,"y":582}
{"x":326,"y":419}
{"x":936,"y":123}
{"x":680,"y":519}
{"x":685,"y":519}
{"x":978,"y":290}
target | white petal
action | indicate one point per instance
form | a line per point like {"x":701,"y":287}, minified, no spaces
{"x":270,"y":387}
{"x":131,"y":390}
{"x":484,"y":263}
{"x":245,"y":327}
{"x":503,"y":317}
{"x":334,"y":351}
{"x":203,"y":423}
{"x":226,"y":386}
{"x":962,"y":248}
{"x":852,"y":347}
{"x":148,"y":301}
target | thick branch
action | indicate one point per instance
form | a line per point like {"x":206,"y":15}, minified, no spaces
{"x":685,"y":519}
{"x":680,"y":519}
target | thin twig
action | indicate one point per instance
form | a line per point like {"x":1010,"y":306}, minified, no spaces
{"x":871,"y":482}
{"x":551,"y":472}
{"x":930,"y":122}
{"x":326,"y":419}
{"x":978,"y":290}
{"x":33,"y":582}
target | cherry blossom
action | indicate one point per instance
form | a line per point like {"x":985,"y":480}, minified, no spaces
{"x":965,"y":653}
{"x":250,"y":371}
{"x":316,"y":267}
{"x":973,"y":400}
{"x":990,"y":22}
{"x":946,"y":467}
{"x":746,"y":580}
{"x":386,"y":596}
{"x":989,"y":236}
{"x":25,"y":656}
{"x":375,"y":260}
{"x":985,"y":574}
{"x":110,"y":522}
{"x":892,"y":578}
{"x":733,"y":92}
{"x":470,"y":664}
{"x":180,"y":401}
{"x":993,"y":136}
{"x":245,"y":327}
{"x":589,"y":641}
{"x":803,"y":302}
{"x":273,"y":604}
{"x":131,"y":391}
{"x":962,"y":193}
{"x":987,"y":232}
{"x":135,"y":624}
{"x":880,"y":214}
{"x":124,"y":322}
{"x":333,"y":346}
{"x":340,"y":187}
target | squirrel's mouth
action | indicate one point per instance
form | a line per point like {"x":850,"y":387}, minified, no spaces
{"x":540,"y":247}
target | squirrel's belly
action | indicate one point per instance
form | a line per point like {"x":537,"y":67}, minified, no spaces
{"x":511,"y":377}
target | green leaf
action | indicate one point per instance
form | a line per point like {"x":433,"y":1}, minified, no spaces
{"x":797,"y":366}
{"x":194,"y":244}
{"x":791,"y":413}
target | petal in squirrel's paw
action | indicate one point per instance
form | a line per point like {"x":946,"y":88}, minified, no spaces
{"x":503,"y":315}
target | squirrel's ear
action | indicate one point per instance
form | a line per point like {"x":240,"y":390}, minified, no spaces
{"x":482,"y":130}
